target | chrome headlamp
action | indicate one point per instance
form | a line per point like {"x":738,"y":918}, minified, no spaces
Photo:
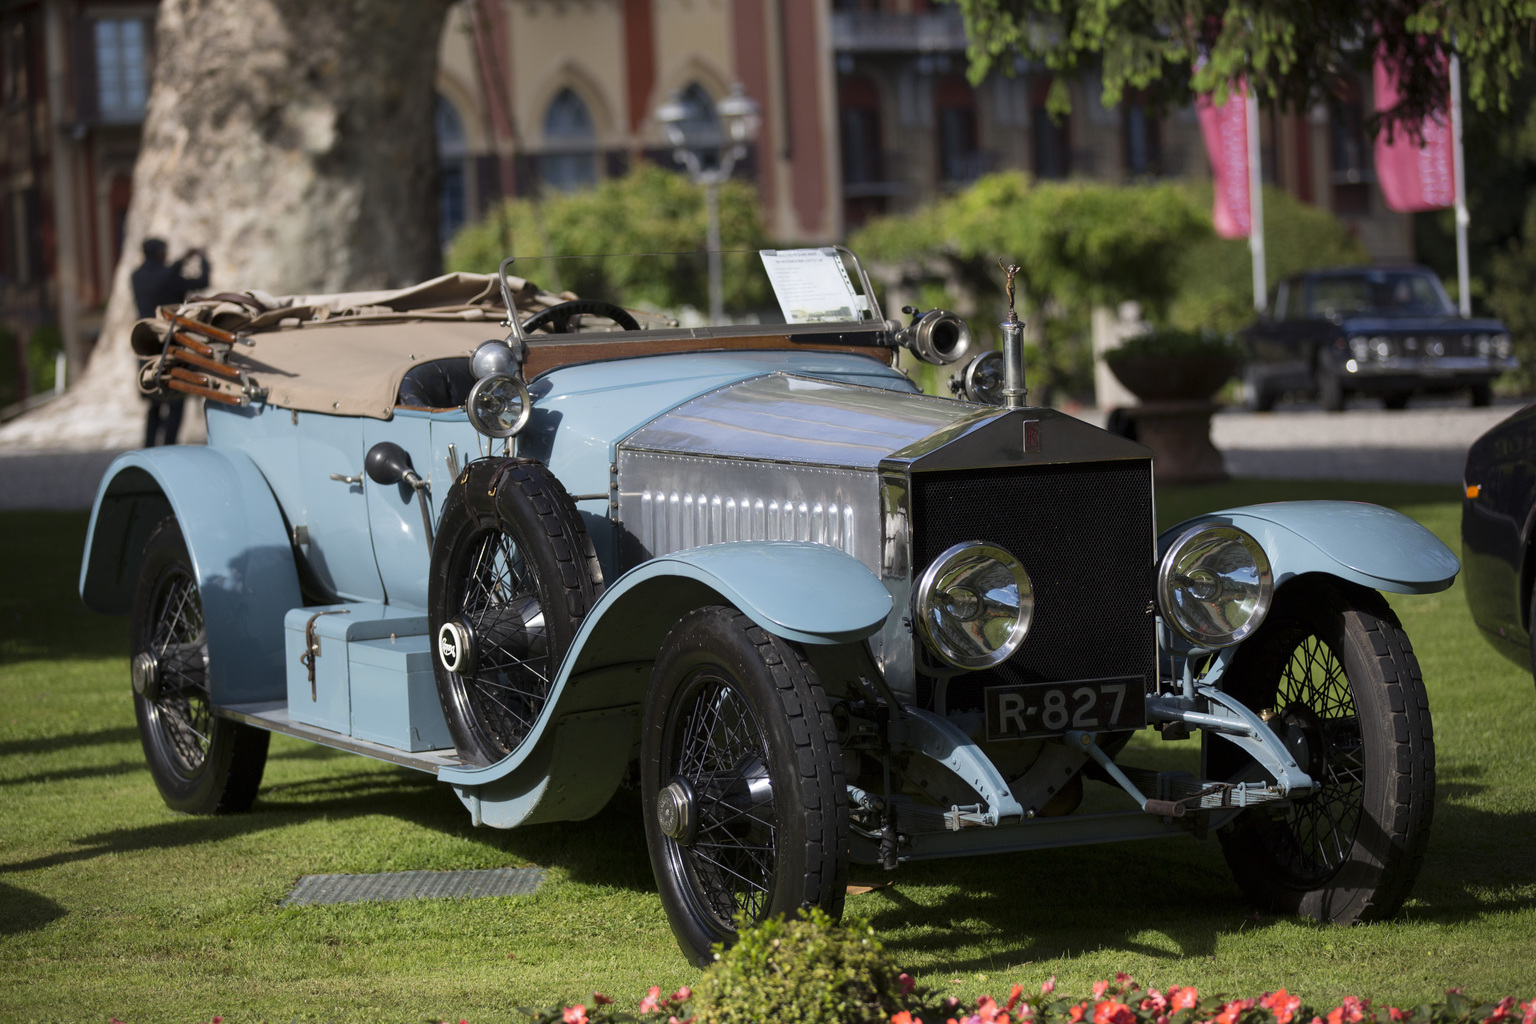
{"x":973,"y":605}
{"x":499,"y":405}
{"x":1214,"y":585}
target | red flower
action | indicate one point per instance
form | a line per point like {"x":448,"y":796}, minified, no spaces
{"x":1156,"y":1002}
{"x":906,"y":982}
{"x":1501,"y":1011}
{"x":1098,"y":989}
{"x":600,"y":999}
{"x":648,"y":1004}
{"x":575,"y":1014}
{"x":1076,"y":1013}
{"x":1283,"y":1005}
{"x":901,"y":1018}
{"x":1230,"y":1011}
{"x":1530,"y":1012}
{"x":1013,"y":997}
{"x":1183,"y":998}
{"x":1112,"y":1012}
{"x":1048,"y":985}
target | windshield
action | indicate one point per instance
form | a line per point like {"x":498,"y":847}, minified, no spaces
{"x":1379,"y":292}
{"x":657,"y":291}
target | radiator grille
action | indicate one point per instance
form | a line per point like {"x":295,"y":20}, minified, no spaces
{"x":1084,"y":534}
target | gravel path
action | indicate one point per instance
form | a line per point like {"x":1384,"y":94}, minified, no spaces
{"x":1425,"y":444}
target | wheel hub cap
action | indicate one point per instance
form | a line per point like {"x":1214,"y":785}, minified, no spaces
{"x":456,"y":648}
{"x":675,"y":812}
{"x":145,"y":672}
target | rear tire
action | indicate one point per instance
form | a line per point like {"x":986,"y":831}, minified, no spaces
{"x":1330,"y":390}
{"x":1333,"y":664}
{"x":738,"y":731}
{"x":202,"y":764}
{"x":1482,"y":395}
{"x":1394,"y":400}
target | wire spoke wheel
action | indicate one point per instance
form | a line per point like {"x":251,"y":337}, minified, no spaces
{"x":181,"y":711}
{"x":502,"y":607}
{"x":513,"y":572}
{"x":201,"y":763}
{"x":1320,"y":829}
{"x":1335,"y":676}
{"x":741,"y":776}
{"x":722,"y":755}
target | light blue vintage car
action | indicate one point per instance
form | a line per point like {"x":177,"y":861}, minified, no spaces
{"x":820,"y":616}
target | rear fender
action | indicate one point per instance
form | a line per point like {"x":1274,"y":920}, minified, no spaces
{"x":1365,"y":544}
{"x":240,"y":552}
{"x":808,"y":593}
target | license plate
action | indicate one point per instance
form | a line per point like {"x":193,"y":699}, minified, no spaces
{"x":1050,"y":709}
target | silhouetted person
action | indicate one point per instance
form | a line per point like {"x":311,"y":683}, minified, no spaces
{"x":157,"y":283}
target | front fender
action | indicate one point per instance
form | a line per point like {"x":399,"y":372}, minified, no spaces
{"x":1365,"y":544}
{"x":240,"y":552}
{"x":807,"y":593}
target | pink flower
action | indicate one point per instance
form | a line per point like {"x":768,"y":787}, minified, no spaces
{"x":1349,"y":1012}
{"x":1126,"y":981}
{"x":1283,"y":1005}
{"x":905,"y":981}
{"x":1156,"y":1002}
{"x":1099,"y":988}
{"x":682,"y":995}
{"x":1530,"y":1012}
{"x":1229,"y":1012}
{"x":1395,"y":1013}
{"x":1500,"y":1011}
{"x":1013,"y":996}
{"x":1183,"y":998}
{"x":1113,"y":1012}
{"x":1048,"y":985}
{"x":575,"y":1014}
{"x":649,"y":1003}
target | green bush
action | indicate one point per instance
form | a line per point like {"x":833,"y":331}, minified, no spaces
{"x":43,"y":348}
{"x":808,"y":969}
{"x":648,"y":210}
{"x":1171,"y":341}
{"x":1214,"y":275}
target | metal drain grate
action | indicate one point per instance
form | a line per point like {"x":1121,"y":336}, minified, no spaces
{"x":408,"y":885}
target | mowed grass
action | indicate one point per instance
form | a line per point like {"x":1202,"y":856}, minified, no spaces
{"x":112,"y":905}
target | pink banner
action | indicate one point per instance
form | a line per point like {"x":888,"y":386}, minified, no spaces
{"x":1225,"y":129}
{"x":1413,"y":177}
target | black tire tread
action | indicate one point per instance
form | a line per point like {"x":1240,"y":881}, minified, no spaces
{"x":1364,"y":891}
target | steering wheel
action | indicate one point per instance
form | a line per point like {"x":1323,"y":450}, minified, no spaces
{"x":556,"y":317}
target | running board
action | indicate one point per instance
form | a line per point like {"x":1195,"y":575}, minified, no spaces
{"x":272,"y":715}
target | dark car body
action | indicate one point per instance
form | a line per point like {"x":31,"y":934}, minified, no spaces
{"x":1390,"y":332}
{"x":1497,"y":514}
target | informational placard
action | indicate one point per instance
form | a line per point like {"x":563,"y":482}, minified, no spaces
{"x":812,"y":285}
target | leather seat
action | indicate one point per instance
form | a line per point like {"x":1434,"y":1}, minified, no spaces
{"x":439,"y":384}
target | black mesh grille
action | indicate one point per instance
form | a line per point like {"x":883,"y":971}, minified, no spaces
{"x":1084,"y":534}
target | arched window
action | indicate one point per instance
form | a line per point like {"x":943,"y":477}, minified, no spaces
{"x":452,"y":148}
{"x":702,"y":123}
{"x":569,"y":141}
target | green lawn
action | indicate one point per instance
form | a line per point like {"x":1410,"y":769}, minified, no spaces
{"x":112,"y":905}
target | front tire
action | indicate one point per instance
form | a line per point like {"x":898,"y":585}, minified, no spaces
{"x":1330,"y":389}
{"x":202,"y":764}
{"x":741,"y":779}
{"x":1333,"y":665}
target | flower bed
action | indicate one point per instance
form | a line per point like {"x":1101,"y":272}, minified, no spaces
{"x":811,"y":969}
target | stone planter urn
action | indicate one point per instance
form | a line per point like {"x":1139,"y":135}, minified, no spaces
{"x":1174,"y":417}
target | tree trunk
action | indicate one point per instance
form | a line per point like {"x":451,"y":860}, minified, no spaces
{"x":291,"y":140}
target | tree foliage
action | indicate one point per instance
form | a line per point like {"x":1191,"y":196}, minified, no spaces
{"x":649,"y":210}
{"x":1078,"y":244}
{"x":1291,"y":50}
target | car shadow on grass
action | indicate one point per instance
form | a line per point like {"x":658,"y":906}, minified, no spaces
{"x":25,"y":911}
{"x":606,"y":850}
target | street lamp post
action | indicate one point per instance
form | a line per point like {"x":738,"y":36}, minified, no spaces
{"x":740,"y":118}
